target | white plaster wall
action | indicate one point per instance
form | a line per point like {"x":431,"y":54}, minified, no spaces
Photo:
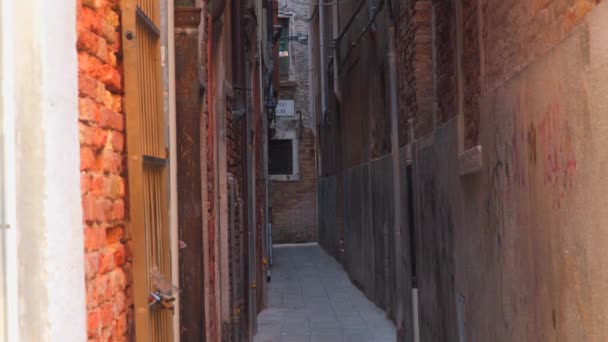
{"x":41,"y":104}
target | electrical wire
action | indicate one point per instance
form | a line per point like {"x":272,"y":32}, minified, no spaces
{"x":321,"y":3}
{"x":362,"y":35}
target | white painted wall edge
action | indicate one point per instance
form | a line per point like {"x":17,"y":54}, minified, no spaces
{"x":62,"y":206}
{"x":10,"y":195}
{"x":47,"y":32}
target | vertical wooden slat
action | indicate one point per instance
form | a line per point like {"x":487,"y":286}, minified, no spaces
{"x":159,"y":103}
{"x":157,"y":230}
{"x":149,"y":99}
{"x":146,"y":88}
{"x":148,"y":226}
{"x":133,"y":127}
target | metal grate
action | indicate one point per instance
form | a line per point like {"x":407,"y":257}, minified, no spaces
{"x":158,"y":249}
{"x":147,"y":169}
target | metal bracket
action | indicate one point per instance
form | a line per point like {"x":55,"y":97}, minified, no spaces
{"x":158,"y":299}
{"x":301,"y":38}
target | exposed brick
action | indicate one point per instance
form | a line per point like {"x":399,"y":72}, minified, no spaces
{"x":94,"y":237}
{"x":87,"y":158}
{"x":92,"y":264}
{"x":92,"y":136}
{"x":94,"y":4}
{"x":87,"y":86}
{"x":119,"y":255}
{"x":93,"y":323}
{"x":107,"y":263}
{"x":107,"y":314}
{"x":445,"y":68}
{"x":87,"y":108}
{"x":117,"y":280}
{"x":111,"y":119}
{"x":102,"y":140}
{"x":88,"y":41}
{"x":109,"y":161}
{"x":114,"y":235}
{"x":92,"y":294}
{"x":118,"y":210}
{"x":116,"y":141}
{"x":120,"y":328}
{"x":89,"y":20}
{"x":103,"y":287}
{"x":296,"y":199}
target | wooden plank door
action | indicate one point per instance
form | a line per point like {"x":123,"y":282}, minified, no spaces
{"x":147,"y":171}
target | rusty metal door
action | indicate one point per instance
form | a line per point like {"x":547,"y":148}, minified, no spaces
{"x":147,"y":171}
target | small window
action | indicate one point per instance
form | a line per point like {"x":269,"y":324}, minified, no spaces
{"x":284,"y":47}
{"x":280,"y":157}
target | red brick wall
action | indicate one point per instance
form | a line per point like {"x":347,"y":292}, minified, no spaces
{"x":471,"y":67}
{"x":515,"y":33}
{"x":445,"y":62}
{"x":415,"y":67}
{"x":103,"y":173}
{"x":297,"y":199}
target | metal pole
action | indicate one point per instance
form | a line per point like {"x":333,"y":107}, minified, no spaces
{"x":392,"y":71}
{"x":322,"y":61}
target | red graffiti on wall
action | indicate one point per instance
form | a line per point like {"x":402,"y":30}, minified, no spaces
{"x":556,"y":152}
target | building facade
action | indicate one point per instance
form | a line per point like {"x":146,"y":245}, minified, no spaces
{"x":292,"y":146}
{"x":133,"y":153}
{"x":468,"y":180}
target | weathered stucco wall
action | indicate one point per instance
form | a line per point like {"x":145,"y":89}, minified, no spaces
{"x":543,"y":131}
{"x":512,"y":252}
{"x":521,"y":240}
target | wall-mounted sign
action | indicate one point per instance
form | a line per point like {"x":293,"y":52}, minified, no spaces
{"x":285,"y":108}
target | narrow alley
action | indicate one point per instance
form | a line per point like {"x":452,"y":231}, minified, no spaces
{"x":311,"y":298}
{"x":303,"y":170}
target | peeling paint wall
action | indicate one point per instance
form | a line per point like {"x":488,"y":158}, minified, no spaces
{"x":520,"y":240}
{"x":513,"y":251}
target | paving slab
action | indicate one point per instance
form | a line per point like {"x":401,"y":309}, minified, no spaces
{"x":310,"y":298}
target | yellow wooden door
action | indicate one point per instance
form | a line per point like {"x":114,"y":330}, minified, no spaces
{"x":147,"y":171}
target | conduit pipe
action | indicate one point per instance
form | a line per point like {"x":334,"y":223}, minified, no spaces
{"x":334,"y":17}
{"x":392,"y":73}
{"x":216,"y":8}
{"x":322,"y":62}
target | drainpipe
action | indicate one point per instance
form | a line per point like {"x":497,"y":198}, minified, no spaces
{"x":392,"y":72}
{"x":413,"y":155}
{"x":216,"y":8}
{"x":336,"y":34}
{"x":322,"y":62}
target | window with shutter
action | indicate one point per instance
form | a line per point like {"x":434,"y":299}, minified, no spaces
{"x":284,"y":47}
{"x":280,"y":157}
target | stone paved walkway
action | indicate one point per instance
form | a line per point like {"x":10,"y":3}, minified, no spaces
{"x":310,"y":298}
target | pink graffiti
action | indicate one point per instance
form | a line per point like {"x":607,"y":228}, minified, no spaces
{"x":557,"y":152}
